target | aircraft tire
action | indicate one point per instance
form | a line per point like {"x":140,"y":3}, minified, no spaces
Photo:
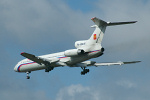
{"x":87,"y":70}
{"x":82,"y":73}
{"x":28,"y":77}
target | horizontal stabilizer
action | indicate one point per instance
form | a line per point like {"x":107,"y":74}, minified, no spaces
{"x":100,"y":22}
{"x":120,"y":23}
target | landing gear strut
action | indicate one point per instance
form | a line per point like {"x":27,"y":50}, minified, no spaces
{"x":85,"y":71}
{"x":28,"y":77}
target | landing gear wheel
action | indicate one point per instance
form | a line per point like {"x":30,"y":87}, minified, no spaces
{"x":82,"y":73}
{"x":85,"y":71}
{"x":28,"y":77}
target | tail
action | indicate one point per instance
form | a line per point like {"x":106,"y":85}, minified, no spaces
{"x":100,"y":28}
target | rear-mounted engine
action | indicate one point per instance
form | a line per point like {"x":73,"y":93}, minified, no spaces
{"x":74,"y":52}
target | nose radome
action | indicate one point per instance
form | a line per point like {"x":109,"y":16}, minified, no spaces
{"x":15,"y":68}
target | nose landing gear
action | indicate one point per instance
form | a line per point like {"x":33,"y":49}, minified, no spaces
{"x":28,"y":77}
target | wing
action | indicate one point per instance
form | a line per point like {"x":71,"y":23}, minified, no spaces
{"x":85,"y":64}
{"x":92,"y":63}
{"x":38,"y":60}
{"x":117,"y":63}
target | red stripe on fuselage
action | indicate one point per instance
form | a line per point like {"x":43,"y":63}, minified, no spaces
{"x":62,"y":57}
{"x":58,"y":57}
{"x":24,"y":64}
{"x":94,"y":51}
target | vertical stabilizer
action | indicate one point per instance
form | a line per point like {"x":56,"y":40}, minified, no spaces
{"x":98,"y":34}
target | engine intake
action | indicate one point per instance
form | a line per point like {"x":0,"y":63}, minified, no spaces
{"x":80,"y":51}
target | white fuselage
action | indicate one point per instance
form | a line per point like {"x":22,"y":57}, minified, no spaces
{"x":27,"y":65}
{"x":85,"y":50}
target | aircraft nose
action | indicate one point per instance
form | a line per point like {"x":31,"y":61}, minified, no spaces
{"x":15,"y":69}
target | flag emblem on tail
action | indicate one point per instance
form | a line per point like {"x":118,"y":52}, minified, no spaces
{"x":94,"y":36}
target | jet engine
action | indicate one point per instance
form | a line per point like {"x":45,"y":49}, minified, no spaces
{"x":74,"y":52}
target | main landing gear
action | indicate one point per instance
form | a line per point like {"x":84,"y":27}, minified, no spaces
{"x":49,"y":69}
{"x":85,"y":71}
{"x":28,"y":77}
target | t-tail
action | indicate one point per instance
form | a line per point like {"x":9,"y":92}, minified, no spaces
{"x":100,"y":27}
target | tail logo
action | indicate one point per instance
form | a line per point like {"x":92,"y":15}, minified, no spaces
{"x":94,"y":36}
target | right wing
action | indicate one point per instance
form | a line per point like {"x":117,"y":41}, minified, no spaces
{"x":92,"y":63}
{"x":117,"y":63}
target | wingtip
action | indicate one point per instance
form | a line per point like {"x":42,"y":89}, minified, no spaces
{"x":131,"y":62}
{"x":137,"y":61}
{"x":134,"y":21}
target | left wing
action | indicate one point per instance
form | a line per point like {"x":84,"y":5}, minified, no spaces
{"x":41,"y":60}
{"x":38,"y":60}
{"x":47,"y":62}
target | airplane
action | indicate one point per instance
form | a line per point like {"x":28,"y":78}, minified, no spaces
{"x":85,"y":50}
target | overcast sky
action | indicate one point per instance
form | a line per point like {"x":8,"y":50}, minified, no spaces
{"x":48,"y":26}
